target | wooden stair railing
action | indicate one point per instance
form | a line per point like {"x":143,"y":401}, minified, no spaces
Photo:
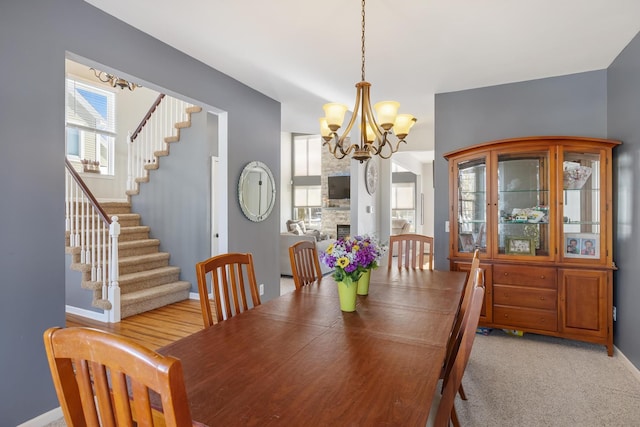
{"x":96,"y":235}
{"x":160,"y":126}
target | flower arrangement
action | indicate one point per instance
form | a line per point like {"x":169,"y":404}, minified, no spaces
{"x":351,"y":256}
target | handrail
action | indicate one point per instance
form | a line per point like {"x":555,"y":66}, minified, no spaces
{"x":147,"y":116}
{"x":86,"y":191}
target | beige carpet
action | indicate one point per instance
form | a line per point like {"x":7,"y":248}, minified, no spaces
{"x":544,"y":381}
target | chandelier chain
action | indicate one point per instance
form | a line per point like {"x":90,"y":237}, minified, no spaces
{"x":374,"y":131}
{"x":363,"y":1}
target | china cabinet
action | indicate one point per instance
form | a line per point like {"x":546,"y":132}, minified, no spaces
{"x":539,"y":210}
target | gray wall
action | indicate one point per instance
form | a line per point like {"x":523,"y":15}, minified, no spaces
{"x":179,"y":193}
{"x":34,"y":37}
{"x":623,"y":90}
{"x":567,"y":105}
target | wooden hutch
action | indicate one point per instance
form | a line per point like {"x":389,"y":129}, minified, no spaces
{"x":539,"y":209}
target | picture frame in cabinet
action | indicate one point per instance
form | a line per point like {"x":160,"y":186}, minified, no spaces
{"x":519,"y":245}
{"x":582,"y":245}
{"x":467,"y":244}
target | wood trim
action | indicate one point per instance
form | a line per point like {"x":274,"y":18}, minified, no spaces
{"x":147,"y":116}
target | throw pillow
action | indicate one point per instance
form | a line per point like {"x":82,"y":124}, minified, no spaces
{"x":291,"y":223}
{"x":295,"y":229}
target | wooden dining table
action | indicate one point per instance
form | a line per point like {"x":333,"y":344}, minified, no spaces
{"x":297,"y":360}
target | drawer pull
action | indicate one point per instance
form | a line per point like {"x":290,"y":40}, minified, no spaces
{"x":506,"y":274}
{"x":542,"y":277}
{"x":542,"y":298}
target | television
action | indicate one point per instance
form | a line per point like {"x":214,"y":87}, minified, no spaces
{"x":339,"y":187}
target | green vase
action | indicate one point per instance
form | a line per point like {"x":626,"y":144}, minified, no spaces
{"x":347,"y":293}
{"x":363,"y":283}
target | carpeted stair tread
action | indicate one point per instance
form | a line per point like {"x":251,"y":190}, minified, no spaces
{"x":161,"y":290}
{"x":148,"y":274}
{"x":138,"y":247}
{"x":136,"y":263}
{"x":149,"y":299}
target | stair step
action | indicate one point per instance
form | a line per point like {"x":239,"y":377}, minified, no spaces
{"x":148,"y":279}
{"x":128,"y":219}
{"x":149,"y":299}
{"x":194,"y":109}
{"x":137,"y":247}
{"x":173,"y":138}
{"x":182,"y":125}
{"x":137,"y":263}
{"x":114,"y":208}
{"x":139,"y":232}
{"x":125,"y":219}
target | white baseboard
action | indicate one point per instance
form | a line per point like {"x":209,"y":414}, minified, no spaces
{"x":194,"y":295}
{"x":44,"y":419}
{"x":100,"y":317}
{"x":632,"y":368}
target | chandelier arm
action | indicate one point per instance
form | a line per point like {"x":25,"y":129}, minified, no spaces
{"x":354,"y":115}
{"x":368,"y":114}
{"x":392,"y":150}
{"x":337,"y":149}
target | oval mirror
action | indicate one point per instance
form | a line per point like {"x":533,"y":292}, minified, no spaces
{"x":257,"y":191}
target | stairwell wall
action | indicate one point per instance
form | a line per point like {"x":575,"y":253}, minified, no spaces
{"x":35,"y":37}
{"x":175,"y":203}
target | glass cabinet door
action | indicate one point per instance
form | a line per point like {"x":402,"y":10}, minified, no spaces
{"x":581,"y":206}
{"x":523,"y":197}
{"x":472,"y":205}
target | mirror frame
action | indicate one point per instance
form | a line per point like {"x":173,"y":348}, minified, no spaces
{"x":250,"y":167}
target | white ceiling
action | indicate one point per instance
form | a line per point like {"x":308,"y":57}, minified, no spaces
{"x":304,"y":53}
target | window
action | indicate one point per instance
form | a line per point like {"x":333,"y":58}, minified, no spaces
{"x":403,"y":197}
{"x":307,"y":168}
{"x":90,"y":125}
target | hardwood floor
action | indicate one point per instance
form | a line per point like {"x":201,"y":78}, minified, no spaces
{"x":162,"y":326}
{"x":153,"y":329}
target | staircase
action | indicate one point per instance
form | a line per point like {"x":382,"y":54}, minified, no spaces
{"x":146,"y":280}
{"x":143,"y":278}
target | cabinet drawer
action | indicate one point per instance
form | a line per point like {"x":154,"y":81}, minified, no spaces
{"x":539,"y":277}
{"x":546,"y":320}
{"x":525,"y":297}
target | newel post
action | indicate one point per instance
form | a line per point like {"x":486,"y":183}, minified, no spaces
{"x":114,"y":273}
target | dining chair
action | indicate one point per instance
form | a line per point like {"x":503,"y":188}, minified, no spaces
{"x":411,"y":250}
{"x":230,"y":274}
{"x":305,"y":265}
{"x":443,"y":411}
{"x":102,"y":379}
{"x":474,"y":278}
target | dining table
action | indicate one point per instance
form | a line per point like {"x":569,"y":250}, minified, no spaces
{"x":298,"y":360}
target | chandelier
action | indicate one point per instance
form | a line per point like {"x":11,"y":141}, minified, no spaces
{"x":114,"y":81}
{"x":374,"y":129}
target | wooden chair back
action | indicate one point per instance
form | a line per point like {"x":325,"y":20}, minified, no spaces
{"x":454,"y":372}
{"x":102,"y":379}
{"x":411,"y":250}
{"x":474,"y":278}
{"x":230,"y":276}
{"x":305,"y":264}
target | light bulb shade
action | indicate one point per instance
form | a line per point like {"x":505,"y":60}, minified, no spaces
{"x":403,"y":124}
{"x":324,"y":127}
{"x":386,"y":112}
{"x":334,"y":113}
